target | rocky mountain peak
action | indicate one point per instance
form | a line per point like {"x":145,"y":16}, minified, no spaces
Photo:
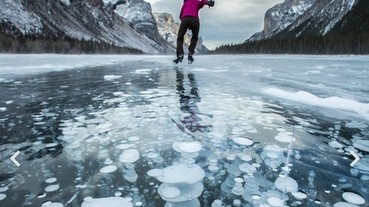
{"x":168,"y":29}
{"x":281,"y":16}
{"x":124,"y":23}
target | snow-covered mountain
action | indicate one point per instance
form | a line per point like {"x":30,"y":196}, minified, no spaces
{"x":281,"y":16}
{"x":294,"y":18}
{"x":126,"y":23}
{"x":168,"y":29}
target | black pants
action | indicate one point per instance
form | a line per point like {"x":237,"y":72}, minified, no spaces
{"x":193,"y":24}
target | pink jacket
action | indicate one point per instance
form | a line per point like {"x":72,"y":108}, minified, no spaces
{"x":191,"y":8}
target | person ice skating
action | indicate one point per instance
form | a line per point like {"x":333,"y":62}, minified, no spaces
{"x":189,"y":17}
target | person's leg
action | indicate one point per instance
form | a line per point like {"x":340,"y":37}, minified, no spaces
{"x":180,"y":37}
{"x":195,"y":28}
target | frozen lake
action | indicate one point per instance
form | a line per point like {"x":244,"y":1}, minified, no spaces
{"x":261,"y":131}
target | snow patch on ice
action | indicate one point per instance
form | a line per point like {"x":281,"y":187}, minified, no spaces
{"x":331,"y":102}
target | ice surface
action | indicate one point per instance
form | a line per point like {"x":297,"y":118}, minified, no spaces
{"x":196,"y":127}
{"x":110,"y":201}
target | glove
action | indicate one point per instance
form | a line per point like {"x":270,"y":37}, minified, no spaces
{"x":211,"y":3}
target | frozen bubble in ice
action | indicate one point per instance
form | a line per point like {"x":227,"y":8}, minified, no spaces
{"x":52,"y":204}
{"x":286,"y":184}
{"x":189,"y":147}
{"x":170,"y":192}
{"x":238,"y":180}
{"x":363,"y":165}
{"x":152,"y":155}
{"x":355,"y":124}
{"x":51,"y":145}
{"x":362,"y":145}
{"x":335,"y":144}
{"x":344,"y":204}
{"x":299,"y":195}
{"x":51,"y":180}
{"x":256,"y":197}
{"x":138,"y":203}
{"x":284,"y":137}
{"x":246,"y":158}
{"x":276,"y":202}
{"x":52,"y":188}
{"x":181,"y":173}
{"x":237,"y":202}
{"x":238,"y":131}
{"x":2,"y":109}
{"x":123,"y":146}
{"x":129,"y":156}
{"x":217,"y":203}
{"x":247,"y":168}
{"x":41,"y":195}
{"x":110,"y":201}
{"x":118,"y":93}
{"x":272,"y":155}
{"x":2,"y":196}
{"x":353,"y":198}
{"x":4,"y":189}
{"x":112,"y":77}
{"x":108,"y":169}
{"x":243,"y":141}
{"x":134,"y":138}
{"x":108,"y":161}
{"x":155,"y":172}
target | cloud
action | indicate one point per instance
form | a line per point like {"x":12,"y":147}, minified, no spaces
{"x":230,"y":21}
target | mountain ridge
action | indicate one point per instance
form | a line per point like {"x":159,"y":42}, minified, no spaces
{"x":87,"y":20}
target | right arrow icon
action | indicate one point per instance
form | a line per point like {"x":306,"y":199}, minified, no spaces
{"x":357,"y":158}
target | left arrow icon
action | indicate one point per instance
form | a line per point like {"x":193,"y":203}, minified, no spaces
{"x":14,"y":160}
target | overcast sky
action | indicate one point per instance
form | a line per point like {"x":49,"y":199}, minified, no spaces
{"x":230,"y":21}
